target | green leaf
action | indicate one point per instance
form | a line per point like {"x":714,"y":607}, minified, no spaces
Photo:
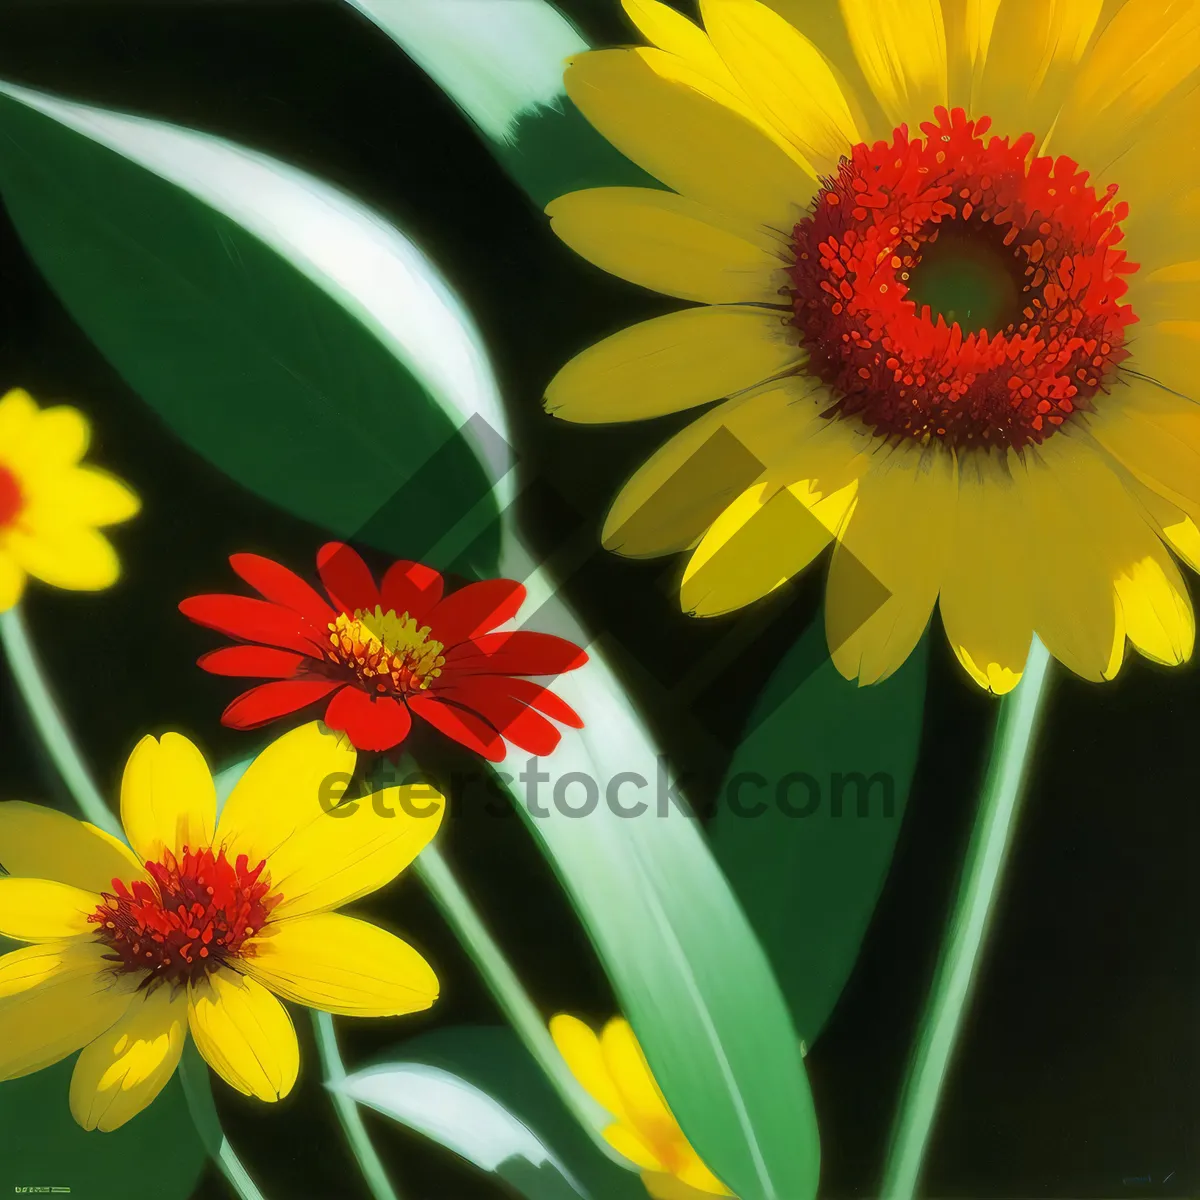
{"x":809,"y":883}
{"x":465,"y":1119}
{"x":287,"y":333}
{"x":502,"y":64}
{"x":42,"y":1147}
{"x":493,"y":1058}
{"x":687,"y":968}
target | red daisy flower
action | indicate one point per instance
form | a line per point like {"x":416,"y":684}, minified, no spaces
{"x":382,"y":652}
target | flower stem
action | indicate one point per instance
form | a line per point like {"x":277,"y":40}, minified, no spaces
{"x":1016,"y":730}
{"x":436,"y":874}
{"x":56,"y":737}
{"x":193,"y":1074}
{"x":347,"y":1110}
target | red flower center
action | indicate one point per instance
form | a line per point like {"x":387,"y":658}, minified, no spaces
{"x":11,"y":498}
{"x":955,"y":288}
{"x":196,"y":917}
{"x":387,"y":654}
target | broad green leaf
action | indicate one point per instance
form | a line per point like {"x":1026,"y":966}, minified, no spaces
{"x":502,"y":64}
{"x":494,"y":1060}
{"x":824,"y":768}
{"x":462,"y":1117}
{"x":286,"y":332}
{"x":41,"y":1147}
{"x":687,"y":968}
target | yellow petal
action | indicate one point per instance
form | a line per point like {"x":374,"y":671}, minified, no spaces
{"x":341,"y":965}
{"x":40,"y":910}
{"x":244,"y":1033}
{"x":673,"y":32}
{"x":691,"y":143}
{"x":627,"y":1141}
{"x":580,"y":1047}
{"x":673,"y":363}
{"x":1177,"y":522}
{"x":88,"y":496}
{"x":168,"y":800}
{"x":640,"y":1094}
{"x":661,"y":1186}
{"x":694,"y":1174}
{"x":73,"y":557}
{"x":1076,"y":611}
{"x":123,"y":1070}
{"x":18,"y":416}
{"x":888,"y":563}
{"x":786,"y":77}
{"x":1033,"y":54}
{"x":986,"y":599}
{"x":40,"y":843}
{"x":1168,"y":354}
{"x":669,"y":244}
{"x":61,"y":435}
{"x":1146,"y":51}
{"x":55,"y":998}
{"x":901,"y":48}
{"x":12,"y":579}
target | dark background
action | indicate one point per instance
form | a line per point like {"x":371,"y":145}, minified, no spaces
{"x":1078,"y":1071}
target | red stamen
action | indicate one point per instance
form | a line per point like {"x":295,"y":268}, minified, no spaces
{"x":904,"y":373}
{"x":12,"y":499}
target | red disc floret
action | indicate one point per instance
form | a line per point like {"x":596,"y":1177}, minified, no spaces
{"x":194,"y":917}
{"x":904,"y":372}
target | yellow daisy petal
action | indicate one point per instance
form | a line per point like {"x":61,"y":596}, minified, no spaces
{"x":55,"y":998}
{"x":244,"y":1033}
{"x":627,"y":1141}
{"x":72,"y":557}
{"x":661,"y":1186}
{"x":40,"y":910}
{"x":640,"y":1094}
{"x":673,"y":32}
{"x":694,"y":1174}
{"x":341,"y":965}
{"x":40,"y":843}
{"x":786,"y":77}
{"x":688,"y":141}
{"x":1177,"y":523}
{"x":122,"y":1071}
{"x":168,"y":800}
{"x":669,"y":244}
{"x":60,"y":436}
{"x":888,"y":563}
{"x":901,"y":48}
{"x":580,"y":1047}
{"x":12,"y":579}
{"x":87,"y":496}
{"x":18,"y":415}
{"x":673,"y":363}
{"x":986,"y":599}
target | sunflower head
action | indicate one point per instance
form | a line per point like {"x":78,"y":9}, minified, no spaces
{"x":947,"y":295}
{"x":202,"y":921}
{"x":51,"y":505}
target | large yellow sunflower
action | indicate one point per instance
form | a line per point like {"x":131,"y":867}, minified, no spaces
{"x":203,"y":923}
{"x":949,"y":261}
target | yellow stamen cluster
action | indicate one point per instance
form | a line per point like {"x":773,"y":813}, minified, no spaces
{"x":388,"y":653}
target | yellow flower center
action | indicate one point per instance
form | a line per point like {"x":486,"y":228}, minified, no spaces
{"x":388,"y":654}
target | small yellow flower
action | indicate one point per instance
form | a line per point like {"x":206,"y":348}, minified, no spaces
{"x":614,"y":1071}
{"x":196,"y":926}
{"x":50,"y":505}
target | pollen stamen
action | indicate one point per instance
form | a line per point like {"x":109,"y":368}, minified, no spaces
{"x":388,"y":654}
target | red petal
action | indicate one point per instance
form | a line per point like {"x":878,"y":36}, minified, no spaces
{"x":253,"y":620}
{"x":370,"y":722}
{"x":513,"y":718}
{"x":464,"y":727}
{"x":524,"y":690}
{"x":276,"y":583}
{"x":271,"y":700}
{"x":347,"y":579}
{"x":476,"y":609}
{"x":412,"y":588}
{"x":518,"y":653}
{"x":252,"y":661}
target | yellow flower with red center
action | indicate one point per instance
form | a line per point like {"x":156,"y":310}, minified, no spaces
{"x":949,"y":284}
{"x":51,"y":506}
{"x":613,"y":1070}
{"x":203,"y":923}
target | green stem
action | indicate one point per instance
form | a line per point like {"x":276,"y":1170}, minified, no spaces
{"x":436,"y":874}
{"x":56,"y":737}
{"x":991,"y":838}
{"x":193,"y":1074}
{"x":347,"y":1110}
